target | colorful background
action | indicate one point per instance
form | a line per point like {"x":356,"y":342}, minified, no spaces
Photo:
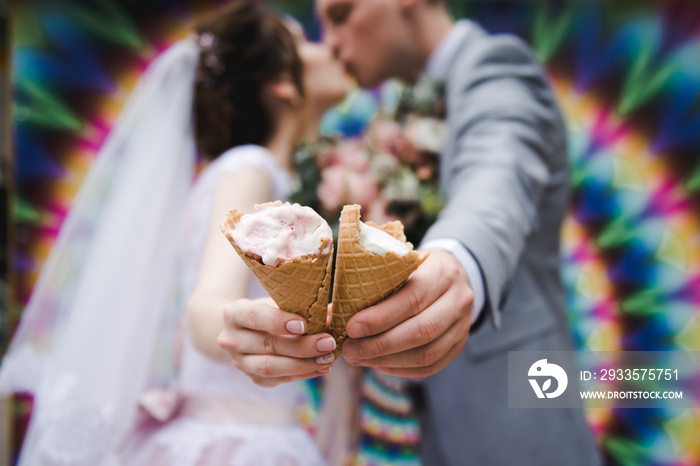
{"x":627,"y":75}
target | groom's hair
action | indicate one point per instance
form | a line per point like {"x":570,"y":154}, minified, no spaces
{"x":242,"y":48}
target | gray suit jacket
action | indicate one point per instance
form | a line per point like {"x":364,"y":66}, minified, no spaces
{"x":504,"y":170}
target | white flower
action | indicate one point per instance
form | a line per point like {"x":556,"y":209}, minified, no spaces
{"x":427,"y":134}
{"x":425,"y":91}
{"x":383,"y":166}
{"x":403,"y":187}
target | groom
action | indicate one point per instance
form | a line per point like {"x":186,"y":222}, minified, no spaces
{"x":491,"y":284}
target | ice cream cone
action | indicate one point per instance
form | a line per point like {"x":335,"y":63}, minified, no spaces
{"x":300,"y":285}
{"x":363,"y":278}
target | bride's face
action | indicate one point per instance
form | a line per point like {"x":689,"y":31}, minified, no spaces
{"x":325,"y":81}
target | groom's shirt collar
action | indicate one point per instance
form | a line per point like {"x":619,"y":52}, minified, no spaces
{"x":444,"y":53}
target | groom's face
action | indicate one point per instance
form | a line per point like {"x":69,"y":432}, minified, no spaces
{"x":368,"y":36}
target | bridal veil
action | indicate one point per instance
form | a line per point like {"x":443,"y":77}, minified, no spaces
{"x":86,"y":340}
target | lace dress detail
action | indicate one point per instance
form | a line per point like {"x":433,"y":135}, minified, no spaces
{"x":194,"y":441}
{"x":64,"y":441}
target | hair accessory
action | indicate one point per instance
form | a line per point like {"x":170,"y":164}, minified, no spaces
{"x":206,"y":41}
{"x":211,"y":63}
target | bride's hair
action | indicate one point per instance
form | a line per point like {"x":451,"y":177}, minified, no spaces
{"x":241,"y":49}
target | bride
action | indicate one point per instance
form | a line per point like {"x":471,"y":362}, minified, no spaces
{"x":142,"y":243}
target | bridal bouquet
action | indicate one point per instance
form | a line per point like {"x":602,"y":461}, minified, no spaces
{"x":392,"y":171}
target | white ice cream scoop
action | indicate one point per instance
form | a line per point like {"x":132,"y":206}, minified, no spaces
{"x":380,"y":242}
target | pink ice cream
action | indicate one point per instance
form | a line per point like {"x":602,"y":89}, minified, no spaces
{"x":282,"y":232}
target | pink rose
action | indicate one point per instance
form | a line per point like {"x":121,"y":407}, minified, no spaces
{"x":352,"y":154}
{"x":331,"y":190}
{"x":387,"y":136}
{"x":377,"y":212}
{"x":362,"y":189}
{"x":349,"y":153}
{"x":403,"y":149}
{"x":342,"y":185}
{"x":382,"y":132}
{"x":327,"y":157}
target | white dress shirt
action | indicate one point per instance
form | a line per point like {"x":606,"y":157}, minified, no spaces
{"x":437,"y":68}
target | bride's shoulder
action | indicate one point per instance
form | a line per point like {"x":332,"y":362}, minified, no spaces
{"x":244,"y":165}
{"x":248,"y":156}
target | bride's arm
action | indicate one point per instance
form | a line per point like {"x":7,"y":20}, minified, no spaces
{"x":267,"y":344}
{"x":223,"y":277}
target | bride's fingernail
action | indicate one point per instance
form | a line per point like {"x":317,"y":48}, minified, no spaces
{"x":295,"y":326}
{"x":325,"y":359}
{"x":325,"y":345}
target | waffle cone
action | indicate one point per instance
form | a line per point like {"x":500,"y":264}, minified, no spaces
{"x":363,"y":278}
{"x":300,"y":285}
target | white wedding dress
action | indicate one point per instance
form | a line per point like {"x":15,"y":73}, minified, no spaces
{"x":221,"y":417}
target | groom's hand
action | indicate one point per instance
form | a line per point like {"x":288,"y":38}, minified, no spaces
{"x":270,"y":346}
{"x":420,"y":329}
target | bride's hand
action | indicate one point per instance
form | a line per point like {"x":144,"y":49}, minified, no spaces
{"x":270,"y":346}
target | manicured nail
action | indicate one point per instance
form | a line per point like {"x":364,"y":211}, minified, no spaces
{"x":325,"y":345}
{"x":357,"y":330}
{"x":295,"y":326}
{"x":324,"y":371}
{"x":351,"y":351}
{"x":325,"y":359}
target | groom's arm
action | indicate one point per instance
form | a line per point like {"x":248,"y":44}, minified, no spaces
{"x":509,"y":141}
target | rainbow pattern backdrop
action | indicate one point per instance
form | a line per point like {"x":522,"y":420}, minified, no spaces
{"x":627,"y":75}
